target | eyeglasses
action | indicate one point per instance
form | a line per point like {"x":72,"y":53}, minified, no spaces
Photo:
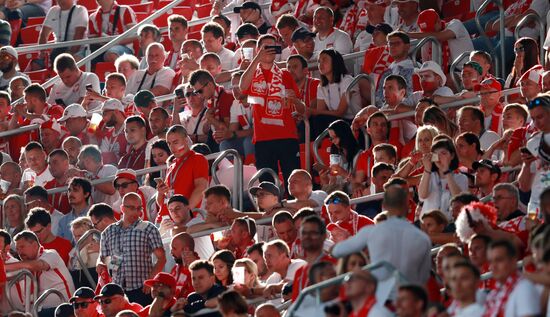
{"x":123,"y":185}
{"x":334,"y":201}
{"x":519,"y":49}
{"x":82,"y":305}
{"x":201,"y":90}
{"x":189,"y":94}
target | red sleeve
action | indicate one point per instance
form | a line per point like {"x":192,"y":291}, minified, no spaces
{"x":517,"y":140}
{"x":371,"y":57}
{"x":364,"y":221}
{"x":226,"y":100}
{"x":362,"y":161}
{"x":201,"y":167}
{"x":92,"y":32}
{"x":56,"y":111}
{"x":289,"y":82}
{"x":296,"y":283}
{"x":128,"y":18}
{"x":3,"y":277}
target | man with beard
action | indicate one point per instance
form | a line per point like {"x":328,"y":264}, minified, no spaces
{"x":58,"y":163}
{"x":182,"y":249}
{"x":8,"y":66}
{"x":135,"y":132}
{"x":113,"y":143}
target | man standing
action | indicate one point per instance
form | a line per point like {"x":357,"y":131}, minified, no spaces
{"x":182,"y":249}
{"x":213,"y":39}
{"x":113,"y":141}
{"x":130,"y":243}
{"x":40,"y":223}
{"x":102,"y":216}
{"x":464,"y":284}
{"x":58,"y":164}
{"x":269,"y":89}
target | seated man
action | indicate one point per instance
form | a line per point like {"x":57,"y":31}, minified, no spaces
{"x":61,"y":170}
{"x":9,"y":66}
{"x":157,"y":78}
{"x":360,"y":288}
{"x":37,"y":196}
{"x":177,"y":33}
{"x":39,"y":221}
{"x":91,"y":162}
{"x":472,"y":119}
{"x":487,"y":175}
{"x":135,"y":130}
{"x":126,"y":182}
{"x":327,"y":35}
{"x":242,"y":233}
{"x":148,"y":34}
{"x":344,"y":222}
{"x":300,"y":186}
{"x":37,"y":172}
{"x":206,"y":288}
{"x":278,"y":261}
{"x":213,"y":39}
{"x":217,"y":202}
{"x":182,"y":249}
{"x":113,"y":300}
{"x":163,"y":291}
{"x":251,"y":12}
{"x":75,"y":121}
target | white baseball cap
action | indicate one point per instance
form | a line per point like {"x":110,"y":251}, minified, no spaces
{"x":113,"y":104}
{"x":434,"y":67}
{"x":10,"y":50}
{"x":74,"y":110}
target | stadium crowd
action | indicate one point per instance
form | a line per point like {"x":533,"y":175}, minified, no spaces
{"x":432,"y":168}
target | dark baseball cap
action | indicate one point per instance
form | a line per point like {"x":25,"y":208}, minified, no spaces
{"x":83,"y":292}
{"x":487,"y":164}
{"x":247,"y":5}
{"x":267,"y":186}
{"x":301,"y":33}
{"x":109,"y":290}
{"x":382,"y":27}
{"x":64,"y":310}
{"x":143,"y":98}
{"x":247,"y":29}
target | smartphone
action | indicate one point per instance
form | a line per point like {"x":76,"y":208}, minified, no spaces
{"x":179,"y":93}
{"x":525,"y":150}
{"x":89,"y":87}
{"x":435,"y":157}
{"x":238,"y":275}
{"x":469,"y":217}
{"x":278,"y":48}
{"x":60,"y":102}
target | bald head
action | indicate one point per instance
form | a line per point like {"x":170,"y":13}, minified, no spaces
{"x":185,"y":239}
{"x":267,"y":310}
{"x":396,"y":201}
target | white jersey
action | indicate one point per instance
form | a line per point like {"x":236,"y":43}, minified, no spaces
{"x":76,"y":92}
{"x":56,"y":277}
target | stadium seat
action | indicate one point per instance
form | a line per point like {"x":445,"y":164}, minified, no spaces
{"x":194,"y":36}
{"x":186,"y":12}
{"x":204,"y":10}
{"x":455,"y":9}
{"x":146,"y":7}
{"x":15,"y":28}
{"x":196,"y":28}
{"x":25,"y":58}
{"x":29,"y":34}
{"x":102,"y":69}
{"x":35,"y":21}
{"x":39,"y":76}
{"x":128,"y":2}
{"x":91,"y":5}
{"x":140,"y":16}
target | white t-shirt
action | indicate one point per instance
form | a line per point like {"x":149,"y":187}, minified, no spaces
{"x":73,"y":94}
{"x":241,"y":115}
{"x":275,"y":277}
{"x":39,"y":180}
{"x":56,"y":19}
{"x":487,"y":139}
{"x":540,"y":170}
{"x":190,"y":122}
{"x":226,"y":57}
{"x":163,"y":77}
{"x":363,"y":41}
{"x":106,"y":170}
{"x":523,"y":301}
{"x":462,"y":41}
{"x":440,"y":194}
{"x":337,"y":39}
{"x":332,"y":93}
{"x":473,"y":310}
{"x":57,"y":277}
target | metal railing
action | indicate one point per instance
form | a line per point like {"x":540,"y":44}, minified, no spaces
{"x":204,"y":233}
{"x":499,"y":69}
{"x":541,"y":23}
{"x":237,"y":195}
{"x":256,"y":177}
{"x":250,"y":302}
{"x":316,"y":288}
{"x":46,"y":294}
{"x":316,"y":145}
{"x":356,"y":81}
{"x":23,"y":274}
{"x":436,"y":47}
{"x":454,"y":66}
{"x":79,"y":245}
{"x":307,"y":144}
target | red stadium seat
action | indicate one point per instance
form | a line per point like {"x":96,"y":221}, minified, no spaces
{"x":146,"y":7}
{"x":35,"y":21}
{"x":194,"y":36}
{"x":128,"y":2}
{"x":186,"y":12}
{"x":204,"y":10}
{"x":102,"y":69}
{"x":196,"y":28}
{"x":29,"y":34}
{"x":455,"y":9}
{"x":91,"y":5}
{"x":25,"y":58}
{"x":15,"y":28}
{"x":140,"y":16}
{"x":39,"y":76}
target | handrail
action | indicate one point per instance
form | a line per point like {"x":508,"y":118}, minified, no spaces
{"x":307,"y":143}
{"x":499,"y":69}
{"x":79,"y":245}
{"x":33,"y":284}
{"x":204,"y":233}
{"x":256,"y":177}
{"x":364,"y":199}
{"x":336,"y":281}
{"x":542,"y":29}
{"x":453,"y":67}
{"x":316,"y":145}
{"x":43,"y":297}
{"x":356,"y":80}
{"x":237,"y":195}
{"x":453,"y":104}
{"x":19,"y":130}
{"x":203,"y":212}
{"x":437,"y":57}
{"x":111,"y":178}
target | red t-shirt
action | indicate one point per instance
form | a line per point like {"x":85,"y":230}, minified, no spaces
{"x":309,"y":92}
{"x":62,"y":246}
{"x":144,"y":312}
{"x":365,"y":162}
{"x":272,"y":119}
{"x":301,"y":280}
{"x":59,"y":201}
{"x":354,"y":224}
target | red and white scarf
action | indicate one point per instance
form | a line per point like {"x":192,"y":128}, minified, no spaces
{"x":445,"y":52}
{"x":349,"y":21}
{"x":497,"y":299}
{"x":365,"y":309}
{"x":269,"y":95}
{"x":517,"y":8}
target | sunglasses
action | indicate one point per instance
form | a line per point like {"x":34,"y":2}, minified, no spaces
{"x":189,"y":94}
{"x":123,"y":185}
{"x":535,"y":103}
{"x":82,"y":305}
{"x":334,"y":201}
{"x":201,"y":90}
{"x":519,"y":49}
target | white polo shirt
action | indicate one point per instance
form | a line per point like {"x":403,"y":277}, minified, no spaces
{"x":57,"y":277}
{"x":56,"y":19}
{"x":332,"y":93}
{"x":74,"y":93}
{"x":163,"y":77}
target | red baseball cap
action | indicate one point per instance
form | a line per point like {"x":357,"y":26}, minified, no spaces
{"x":163,"y":278}
{"x":426,"y":20}
{"x":491,"y":83}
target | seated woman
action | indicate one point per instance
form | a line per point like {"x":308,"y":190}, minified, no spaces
{"x":413,"y":168}
{"x":15,"y":211}
{"x":88,"y":252}
{"x":244,"y":284}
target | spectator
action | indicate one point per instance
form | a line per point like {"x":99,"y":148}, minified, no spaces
{"x":300,"y":186}
{"x":433,"y":222}
{"x":423,"y":144}
{"x":251,"y":12}
{"x":156,"y":78}
{"x":327,"y":35}
{"x":206,"y":289}
{"x":144,"y":239}
{"x":51,"y":134}
{"x":471,"y":76}
{"x":242,"y":234}
{"x":125,"y":19}
{"x":304,"y":43}
{"x":397,"y":232}
{"x":250,"y":280}
{"x":217,"y":202}
{"x":277,"y":259}
{"x":522,"y":299}
{"x":490,"y":96}
{"x":477,"y":254}
{"x":432,"y":81}
{"x":256,"y":254}
{"x":71,"y":24}
{"x":177,"y":33}
{"x":183,"y":252}
{"x":472,"y":119}
{"x":101,"y":215}
{"x":484,"y":60}
{"x":506,"y":200}
{"x":343,"y":150}
{"x":225,"y":23}
{"x":530,"y":83}
{"x":79,"y":194}
{"x":91,"y":162}
{"x":377,"y":57}
{"x":286,"y":25}
{"x":267,"y":310}
{"x":275,"y":133}
{"x":191,"y":51}
{"x":469,"y":150}
{"x":223,"y":261}
{"x":144,"y":102}
{"x":76,"y":123}
{"x":240,"y":122}
{"x":54,"y":273}
{"x":412,"y":301}
{"x":487,"y":175}
{"x":135,"y":132}
{"x":434,"y":116}
{"x":72,"y":87}
{"x":463,"y":284}
{"x":40,"y":223}
{"x":189,"y":169}
{"x":344,"y":222}
{"x":17,"y":86}
{"x":5,"y":29}
{"x":37,"y":196}
{"x":125,"y":182}
{"x":127,"y":65}
{"x":112,"y":300}
{"x":64,"y":309}
{"x":10,"y":172}
{"x":231,"y":303}
{"x":307,"y":85}
{"x":526,"y":57}
{"x":247,"y":35}
{"x":71,"y":145}
{"x":360,"y":289}
{"x":163,"y":291}
{"x":38,"y":172}
{"x":195,"y":120}
{"x":408,"y":14}
{"x":148,"y":34}
{"x":14,"y":208}
{"x":514,"y":116}
{"x":213,"y":38}
{"x":88,"y":252}
{"x":83,"y":303}
{"x":159,"y":122}
{"x":9,"y":66}
{"x":352,"y":262}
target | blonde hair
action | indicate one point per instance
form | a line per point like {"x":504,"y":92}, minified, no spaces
{"x":425,"y":128}
{"x":82,"y":222}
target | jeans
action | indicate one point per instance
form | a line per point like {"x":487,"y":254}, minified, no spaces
{"x":471,"y":25}
{"x":283,"y":152}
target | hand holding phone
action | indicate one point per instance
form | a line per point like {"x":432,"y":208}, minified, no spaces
{"x":277,"y":48}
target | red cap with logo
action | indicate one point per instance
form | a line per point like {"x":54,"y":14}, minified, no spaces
{"x":163,"y":278}
{"x":426,"y":20}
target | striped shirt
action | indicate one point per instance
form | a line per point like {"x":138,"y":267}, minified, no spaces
{"x":99,"y":26}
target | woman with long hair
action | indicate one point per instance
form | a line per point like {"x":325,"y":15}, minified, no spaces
{"x":527,"y":56}
{"x":15,"y":214}
{"x":160,"y":152}
{"x":250,"y":277}
{"x":436,"y":117}
{"x":223,"y":261}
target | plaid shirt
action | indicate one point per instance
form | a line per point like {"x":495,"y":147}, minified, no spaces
{"x":135,"y":245}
